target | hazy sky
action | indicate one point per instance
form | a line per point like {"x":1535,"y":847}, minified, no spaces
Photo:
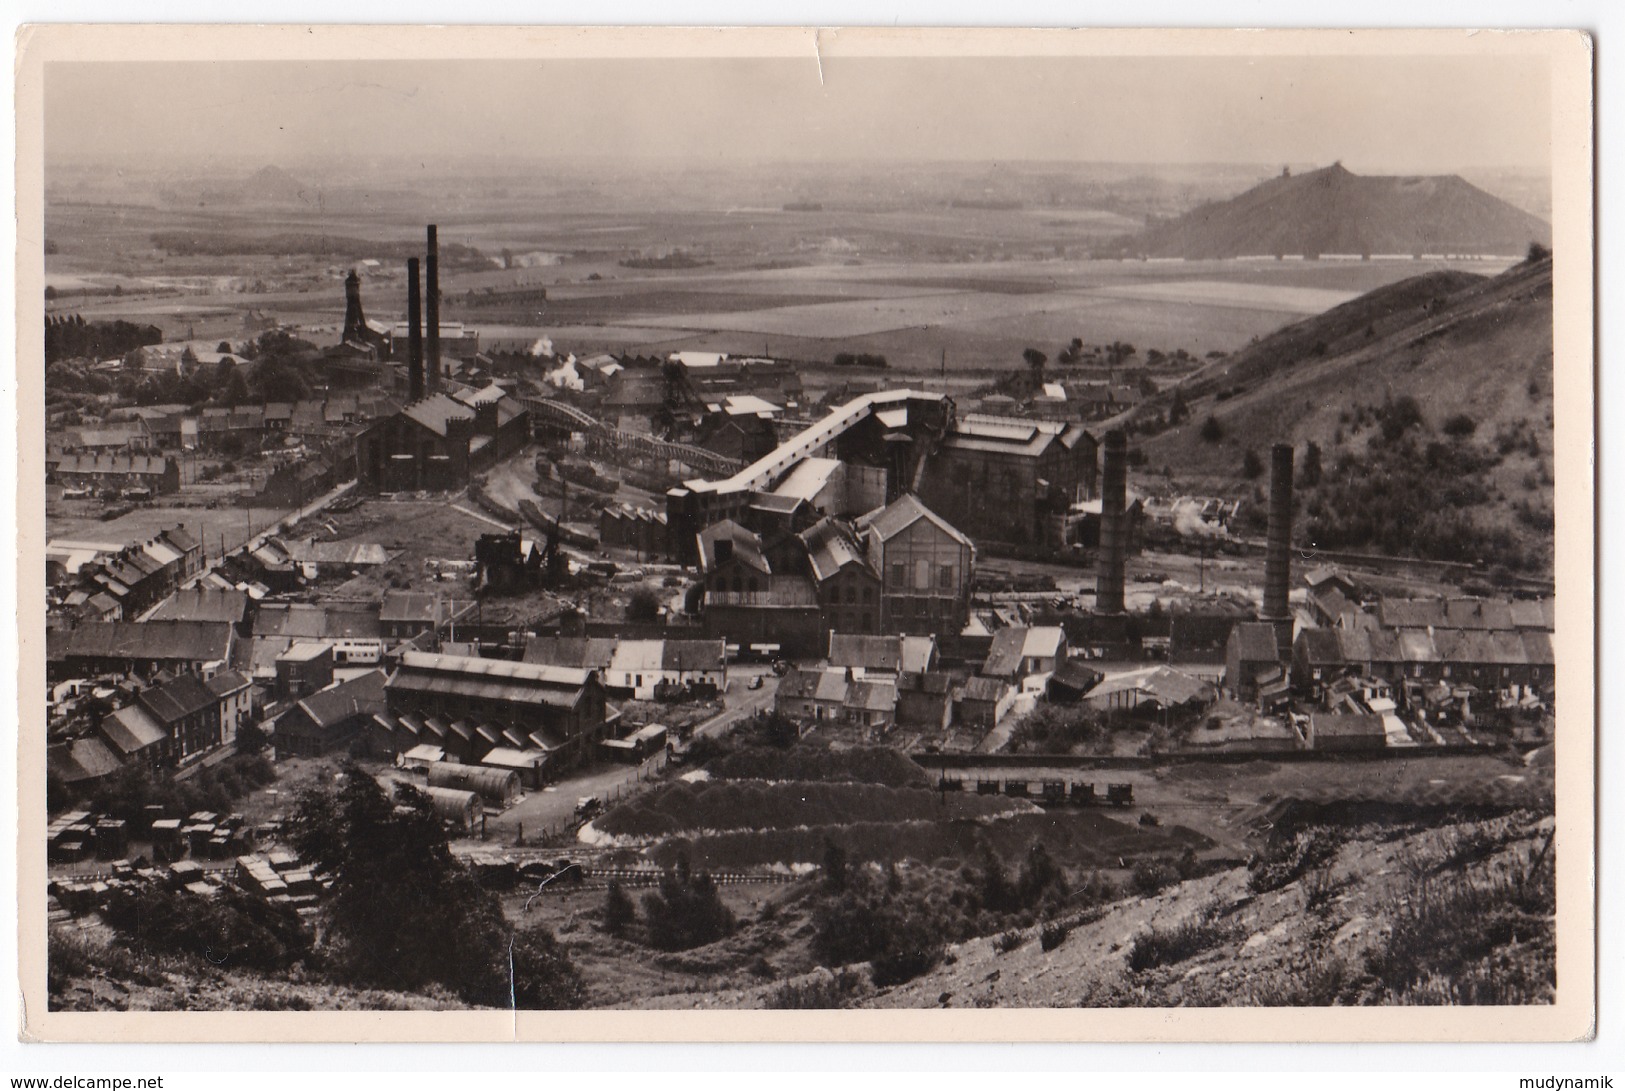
{"x":1404,"y":115}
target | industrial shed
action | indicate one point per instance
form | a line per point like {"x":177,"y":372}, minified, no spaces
{"x":498,"y":786}
{"x":528,"y":764}
{"x":455,"y":806}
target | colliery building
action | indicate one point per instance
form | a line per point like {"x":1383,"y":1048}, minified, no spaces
{"x":564,"y":707}
{"x":880,"y":446}
{"x":438,"y":441}
{"x":898,"y":569}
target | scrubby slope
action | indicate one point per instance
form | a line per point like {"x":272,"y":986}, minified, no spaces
{"x":1459,"y":912}
{"x":1478,"y":349}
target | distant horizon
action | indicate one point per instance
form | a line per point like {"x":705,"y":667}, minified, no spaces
{"x":1404,"y":115}
{"x":247,"y":169}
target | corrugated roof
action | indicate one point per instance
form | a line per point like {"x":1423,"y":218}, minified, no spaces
{"x":497,"y":679}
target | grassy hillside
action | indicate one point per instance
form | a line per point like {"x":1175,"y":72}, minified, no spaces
{"x":1474,"y":355}
{"x":1333,"y":211}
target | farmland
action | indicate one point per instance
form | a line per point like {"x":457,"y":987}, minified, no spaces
{"x":925,"y":283}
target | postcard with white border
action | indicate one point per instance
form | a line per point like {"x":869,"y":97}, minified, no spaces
{"x":770,"y":534}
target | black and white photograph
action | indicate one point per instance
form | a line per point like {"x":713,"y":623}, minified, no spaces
{"x":1044,"y":525}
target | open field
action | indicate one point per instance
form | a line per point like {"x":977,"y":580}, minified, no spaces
{"x":78,"y":519}
{"x":911,"y":283}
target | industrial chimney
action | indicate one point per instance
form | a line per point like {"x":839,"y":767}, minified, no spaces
{"x":1278,"y":545}
{"x":355,"y":323}
{"x":1113,"y":499}
{"x":433,"y":289}
{"x":414,"y":336}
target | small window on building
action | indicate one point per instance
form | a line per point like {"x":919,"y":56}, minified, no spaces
{"x":868,"y":593}
{"x":899,"y":575}
{"x":755,"y":586}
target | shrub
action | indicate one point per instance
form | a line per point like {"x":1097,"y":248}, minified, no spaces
{"x":687,"y":912}
{"x":1284,"y":861}
{"x":618,"y":913}
{"x":1008,"y":941}
{"x":1251,"y":465}
{"x":1460,"y":426}
{"x":823,"y":991}
{"x":1151,"y":877}
{"x":1166,"y":946}
{"x":1053,"y":934}
{"x":1212,"y":431}
{"x":1484,"y":937}
{"x":914,"y":949}
{"x":233,"y":930}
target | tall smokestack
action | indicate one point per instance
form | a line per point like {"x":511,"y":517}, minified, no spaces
{"x":1113,"y":499}
{"x":355,"y":323}
{"x":433,"y":323}
{"x":1278,"y":545}
{"x":414,"y":337}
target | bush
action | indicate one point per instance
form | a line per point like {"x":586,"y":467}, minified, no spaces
{"x":824,"y":991}
{"x":233,"y":930}
{"x":618,"y":913}
{"x":1284,"y":861}
{"x":1053,"y":934}
{"x":1166,"y":946}
{"x":1152,"y":877}
{"x":1212,"y":431}
{"x":1251,"y":465}
{"x":914,"y":948}
{"x":1459,"y":426}
{"x":1006,"y":942}
{"x":687,"y":912}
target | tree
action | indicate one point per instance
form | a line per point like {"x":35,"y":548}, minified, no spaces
{"x":1251,"y":465}
{"x":236,"y":389}
{"x":1537,"y":252}
{"x":643,"y":606}
{"x":835,"y":865}
{"x":619,"y":912}
{"x":224,"y":346}
{"x":1035,"y":359}
{"x":1212,"y":431}
{"x":1178,"y":411}
{"x":1309,"y":470}
{"x":403,"y":912}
